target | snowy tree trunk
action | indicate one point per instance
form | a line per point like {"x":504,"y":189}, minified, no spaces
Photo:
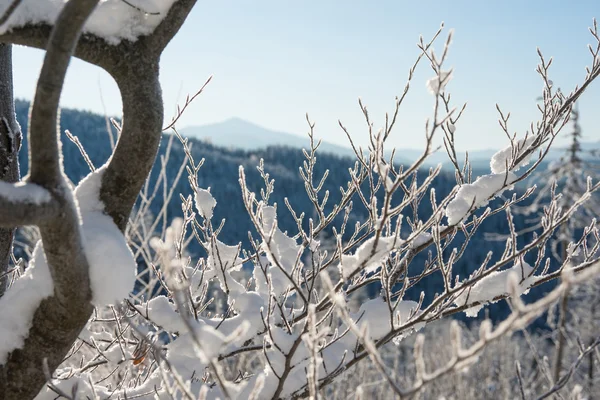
{"x":10,"y":142}
{"x":60,"y":317}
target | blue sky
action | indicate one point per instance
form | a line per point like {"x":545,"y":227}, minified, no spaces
{"x":273,"y":61}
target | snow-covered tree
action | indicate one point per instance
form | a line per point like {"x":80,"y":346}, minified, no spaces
{"x":41,"y":322}
{"x":283,"y":327}
{"x":562,"y":185}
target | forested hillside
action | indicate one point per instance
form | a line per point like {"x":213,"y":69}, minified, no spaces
{"x":220,"y":173}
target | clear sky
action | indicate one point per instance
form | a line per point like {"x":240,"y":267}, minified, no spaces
{"x":275,"y":60}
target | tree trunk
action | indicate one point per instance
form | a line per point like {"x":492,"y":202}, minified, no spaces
{"x":60,"y":318}
{"x":10,"y":142}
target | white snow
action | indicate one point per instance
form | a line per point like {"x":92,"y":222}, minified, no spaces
{"x":24,"y":193}
{"x":420,"y":240}
{"x":181,"y":351}
{"x":375,"y":314}
{"x":383,"y":170}
{"x":112,"y":265}
{"x":162,"y":312}
{"x":223,"y":259}
{"x":113,"y":20}
{"x":314,"y":245}
{"x":451,"y":127}
{"x":505,"y":157}
{"x":77,"y":385}
{"x":205,"y":203}
{"x":369,"y":256}
{"x":112,"y":268}
{"x":437,"y":84}
{"x":281,"y":251}
{"x":20,"y":301}
{"x":495,"y":285}
{"x":168,"y":248}
{"x":477,"y":194}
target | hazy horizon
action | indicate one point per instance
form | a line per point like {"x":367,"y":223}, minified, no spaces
{"x":235,"y":119}
{"x":274,"y":62}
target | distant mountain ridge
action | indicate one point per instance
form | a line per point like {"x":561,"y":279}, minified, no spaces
{"x":244,"y":135}
{"x":236,"y":133}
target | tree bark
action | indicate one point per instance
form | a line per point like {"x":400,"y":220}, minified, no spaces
{"x":10,"y":142}
{"x":59,"y":318}
{"x":138,"y":142}
{"x":135,"y":67}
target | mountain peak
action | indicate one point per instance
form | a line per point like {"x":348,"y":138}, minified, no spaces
{"x":237,"y":121}
{"x":240,"y":133}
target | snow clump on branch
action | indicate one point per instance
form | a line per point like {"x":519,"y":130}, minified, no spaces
{"x":112,"y":20}
{"x":112,"y":269}
{"x":495,"y":285}
{"x":477,"y":194}
{"x":112,"y":265}
{"x":506,"y":156}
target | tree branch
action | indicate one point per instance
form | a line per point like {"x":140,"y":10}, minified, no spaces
{"x":10,"y":142}
{"x":134,"y":66}
{"x":143,"y":114}
{"x":9,"y":11}
{"x":169,"y":26}
{"x":59,"y":318}
{"x":43,"y":138}
{"x":89,"y":48}
{"x":26,"y":204}
{"x":138,"y":143}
